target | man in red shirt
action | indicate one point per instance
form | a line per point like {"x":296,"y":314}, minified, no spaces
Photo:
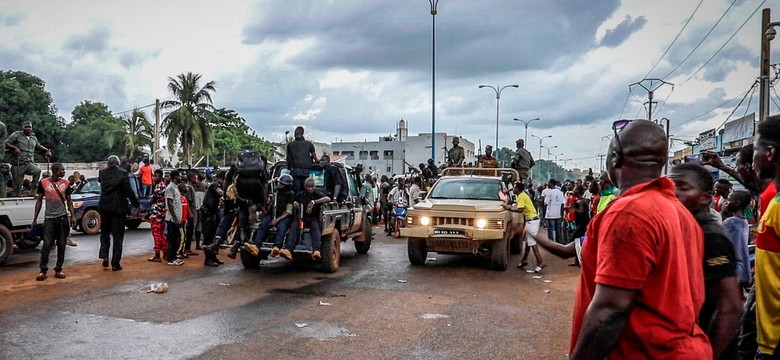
{"x":642,"y":285}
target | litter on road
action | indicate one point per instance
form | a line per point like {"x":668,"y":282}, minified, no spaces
{"x":536,"y":277}
{"x":402,"y":281}
{"x":547,"y":291}
{"x":324,"y":303}
{"x":301,"y":325}
{"x":547,"y":281}
{"x":223,"y":284}
{"x":158,"y":288}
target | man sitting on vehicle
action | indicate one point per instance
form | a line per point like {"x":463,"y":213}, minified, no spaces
{"x":310,"y":202}
{"x":281,"y":217}
{"x":333,"y":181}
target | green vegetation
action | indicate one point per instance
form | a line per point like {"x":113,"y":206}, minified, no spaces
{"x":190,"y":122}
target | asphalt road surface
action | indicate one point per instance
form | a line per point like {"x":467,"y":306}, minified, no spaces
{"x":377,"y":306}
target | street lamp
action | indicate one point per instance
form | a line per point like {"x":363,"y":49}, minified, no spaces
{"x":540,"y":143}
{"x":548,"y":150}
{"x":526,"y":122}
{"x":434,"y":11}
{"x":498,"y":91}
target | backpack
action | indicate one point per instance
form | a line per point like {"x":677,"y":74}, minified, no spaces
{"x":250,"y":164}
{"x":250,"y":175}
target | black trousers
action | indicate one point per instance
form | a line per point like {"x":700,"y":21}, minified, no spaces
{"x":210,"y":221}
{"x":173,"y":236}
{"x":54,"y":230}
{"x":112,"y":226}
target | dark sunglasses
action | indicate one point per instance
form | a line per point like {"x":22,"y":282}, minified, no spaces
{"x":616,"y":127}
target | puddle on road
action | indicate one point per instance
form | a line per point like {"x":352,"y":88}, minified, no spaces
{"x":322,"y":331}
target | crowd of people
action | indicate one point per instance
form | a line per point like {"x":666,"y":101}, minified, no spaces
{"x":665,"y":261}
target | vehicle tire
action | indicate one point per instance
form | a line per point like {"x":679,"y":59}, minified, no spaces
{"x":417,"y":250}
{"x":90,"y":222}
{"x":133,"y":224}
{"x":516,"y":245}
{"x":368,"y":236}
{"x":249,"y":261}
{"x":6,"y":244}
{"x":28,"y":244}
{"x":499,"y":254}
{"x":331,"y":252}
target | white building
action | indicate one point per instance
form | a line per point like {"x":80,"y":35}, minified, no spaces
{"x":396,"y":154}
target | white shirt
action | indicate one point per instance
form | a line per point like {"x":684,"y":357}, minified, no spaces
{"x":399,"y":194}
{"x":414,"y":194}
{"x":553,"y":199}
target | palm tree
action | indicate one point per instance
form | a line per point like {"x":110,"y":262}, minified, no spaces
{"x":138,"y":131}
{"x":189,"y":114}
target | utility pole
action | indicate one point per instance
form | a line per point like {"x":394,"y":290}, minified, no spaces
{"x":767,"y":34}
{"x":156,"y":151}
{"x":601,"y":163}
{"x":653,"y":85}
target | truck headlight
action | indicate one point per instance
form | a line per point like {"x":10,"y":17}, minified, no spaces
{"x":481,"y":223}
{"x":425,"y":221}
{"x":77,"y":204}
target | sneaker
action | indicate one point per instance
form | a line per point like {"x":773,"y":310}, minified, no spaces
{"x":70,"y":242}
{"x":176,"y":262}
{"x":316,"y":255}
{"x":251,"y":249}
{"x":286,"y":254}
{"x":275,"y":252}
{"x":522,"y":264}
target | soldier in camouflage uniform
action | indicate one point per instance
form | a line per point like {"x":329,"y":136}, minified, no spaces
{"x":522,"y":161}
{"x":23,"y":145}
{"x":456,"y":155}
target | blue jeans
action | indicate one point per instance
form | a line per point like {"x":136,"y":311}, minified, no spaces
{"x":224,"y":225}
{"x":554,"y":228}
{"x":146,"y":190}
{"x":281,"y":230}
{"x":315,"y":232}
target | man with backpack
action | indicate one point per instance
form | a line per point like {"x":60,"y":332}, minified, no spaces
{"x":250,"y":177}
{"x":300,"y":157}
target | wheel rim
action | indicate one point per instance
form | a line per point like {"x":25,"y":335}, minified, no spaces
{"x":92,"y":222}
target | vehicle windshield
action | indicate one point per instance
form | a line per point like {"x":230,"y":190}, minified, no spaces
{"x":91,"y":186}
{"x":466,"y":189}
{"x":317,"y":174}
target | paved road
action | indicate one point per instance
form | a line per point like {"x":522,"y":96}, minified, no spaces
{"x":380,"y":308}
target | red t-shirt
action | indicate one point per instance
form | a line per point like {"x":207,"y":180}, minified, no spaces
{"x":765,"y":198}
{"x":146,"y":174}
{"x":570,"y":200}
{"x":185,"y":209}
{"x":646,"y":240}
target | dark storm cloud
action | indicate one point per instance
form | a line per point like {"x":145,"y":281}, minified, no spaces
{"x":96,"y":40}
{"x":472,"y":38}
{"x":615,"y":37}
{"x":11,"y":19}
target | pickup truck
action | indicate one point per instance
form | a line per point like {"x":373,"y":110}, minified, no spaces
{"x":16,"y":216}
{"x":85,"y":206}
{"x":464,"y":213}
{"x":341,"y":221}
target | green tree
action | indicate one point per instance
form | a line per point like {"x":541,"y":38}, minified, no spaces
{"x":138,"y":132}
{"x":231,"y":134}
{"x":189,"y":114}
{"x":94,"y":133}
{"x":23,"y":96}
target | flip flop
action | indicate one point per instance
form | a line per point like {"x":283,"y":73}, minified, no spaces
{"x":539,"y":268}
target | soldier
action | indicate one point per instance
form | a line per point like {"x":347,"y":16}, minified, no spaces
{"x":300,"y":158}
{"x":456,"y":154}
{"x":522,"y":161}
{"x":488,"y":160}
{"x":23,"y":144}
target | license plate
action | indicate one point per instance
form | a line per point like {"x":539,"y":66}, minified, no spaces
{"x":447,"y":232}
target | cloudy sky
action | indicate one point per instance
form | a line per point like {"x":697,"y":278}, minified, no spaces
{"x":349,"y":70}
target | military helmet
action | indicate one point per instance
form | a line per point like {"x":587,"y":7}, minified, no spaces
{"x":286,"y":179}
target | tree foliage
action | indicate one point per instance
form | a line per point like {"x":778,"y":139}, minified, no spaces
{"x":93,"y":134}
{"x":138,"y":133}
{"x":23,"y":97}
{"x":231,"y":134}
{"x":189,"y":114}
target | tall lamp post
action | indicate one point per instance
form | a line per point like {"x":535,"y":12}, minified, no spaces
{"x":540,"y":144}
{"x":498,"y":91}
{"x":526,"y":122}
{"x":548,"y":151}
{"x":434,"y":11}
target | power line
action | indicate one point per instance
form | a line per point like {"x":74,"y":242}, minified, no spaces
{"x":628,"y":96}
{"x":702,"y":40}
{"x":664,"y":103}
{"x":715,"y":108}
{"x":724,"y":44}
{"x":675,"y":38}
{"x":134,"y":109}
{"x":753,"y":88}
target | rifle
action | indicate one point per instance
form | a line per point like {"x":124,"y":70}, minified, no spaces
{"x":479,"y":154}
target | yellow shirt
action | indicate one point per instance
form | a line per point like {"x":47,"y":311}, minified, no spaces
{"x":524,"y":201}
